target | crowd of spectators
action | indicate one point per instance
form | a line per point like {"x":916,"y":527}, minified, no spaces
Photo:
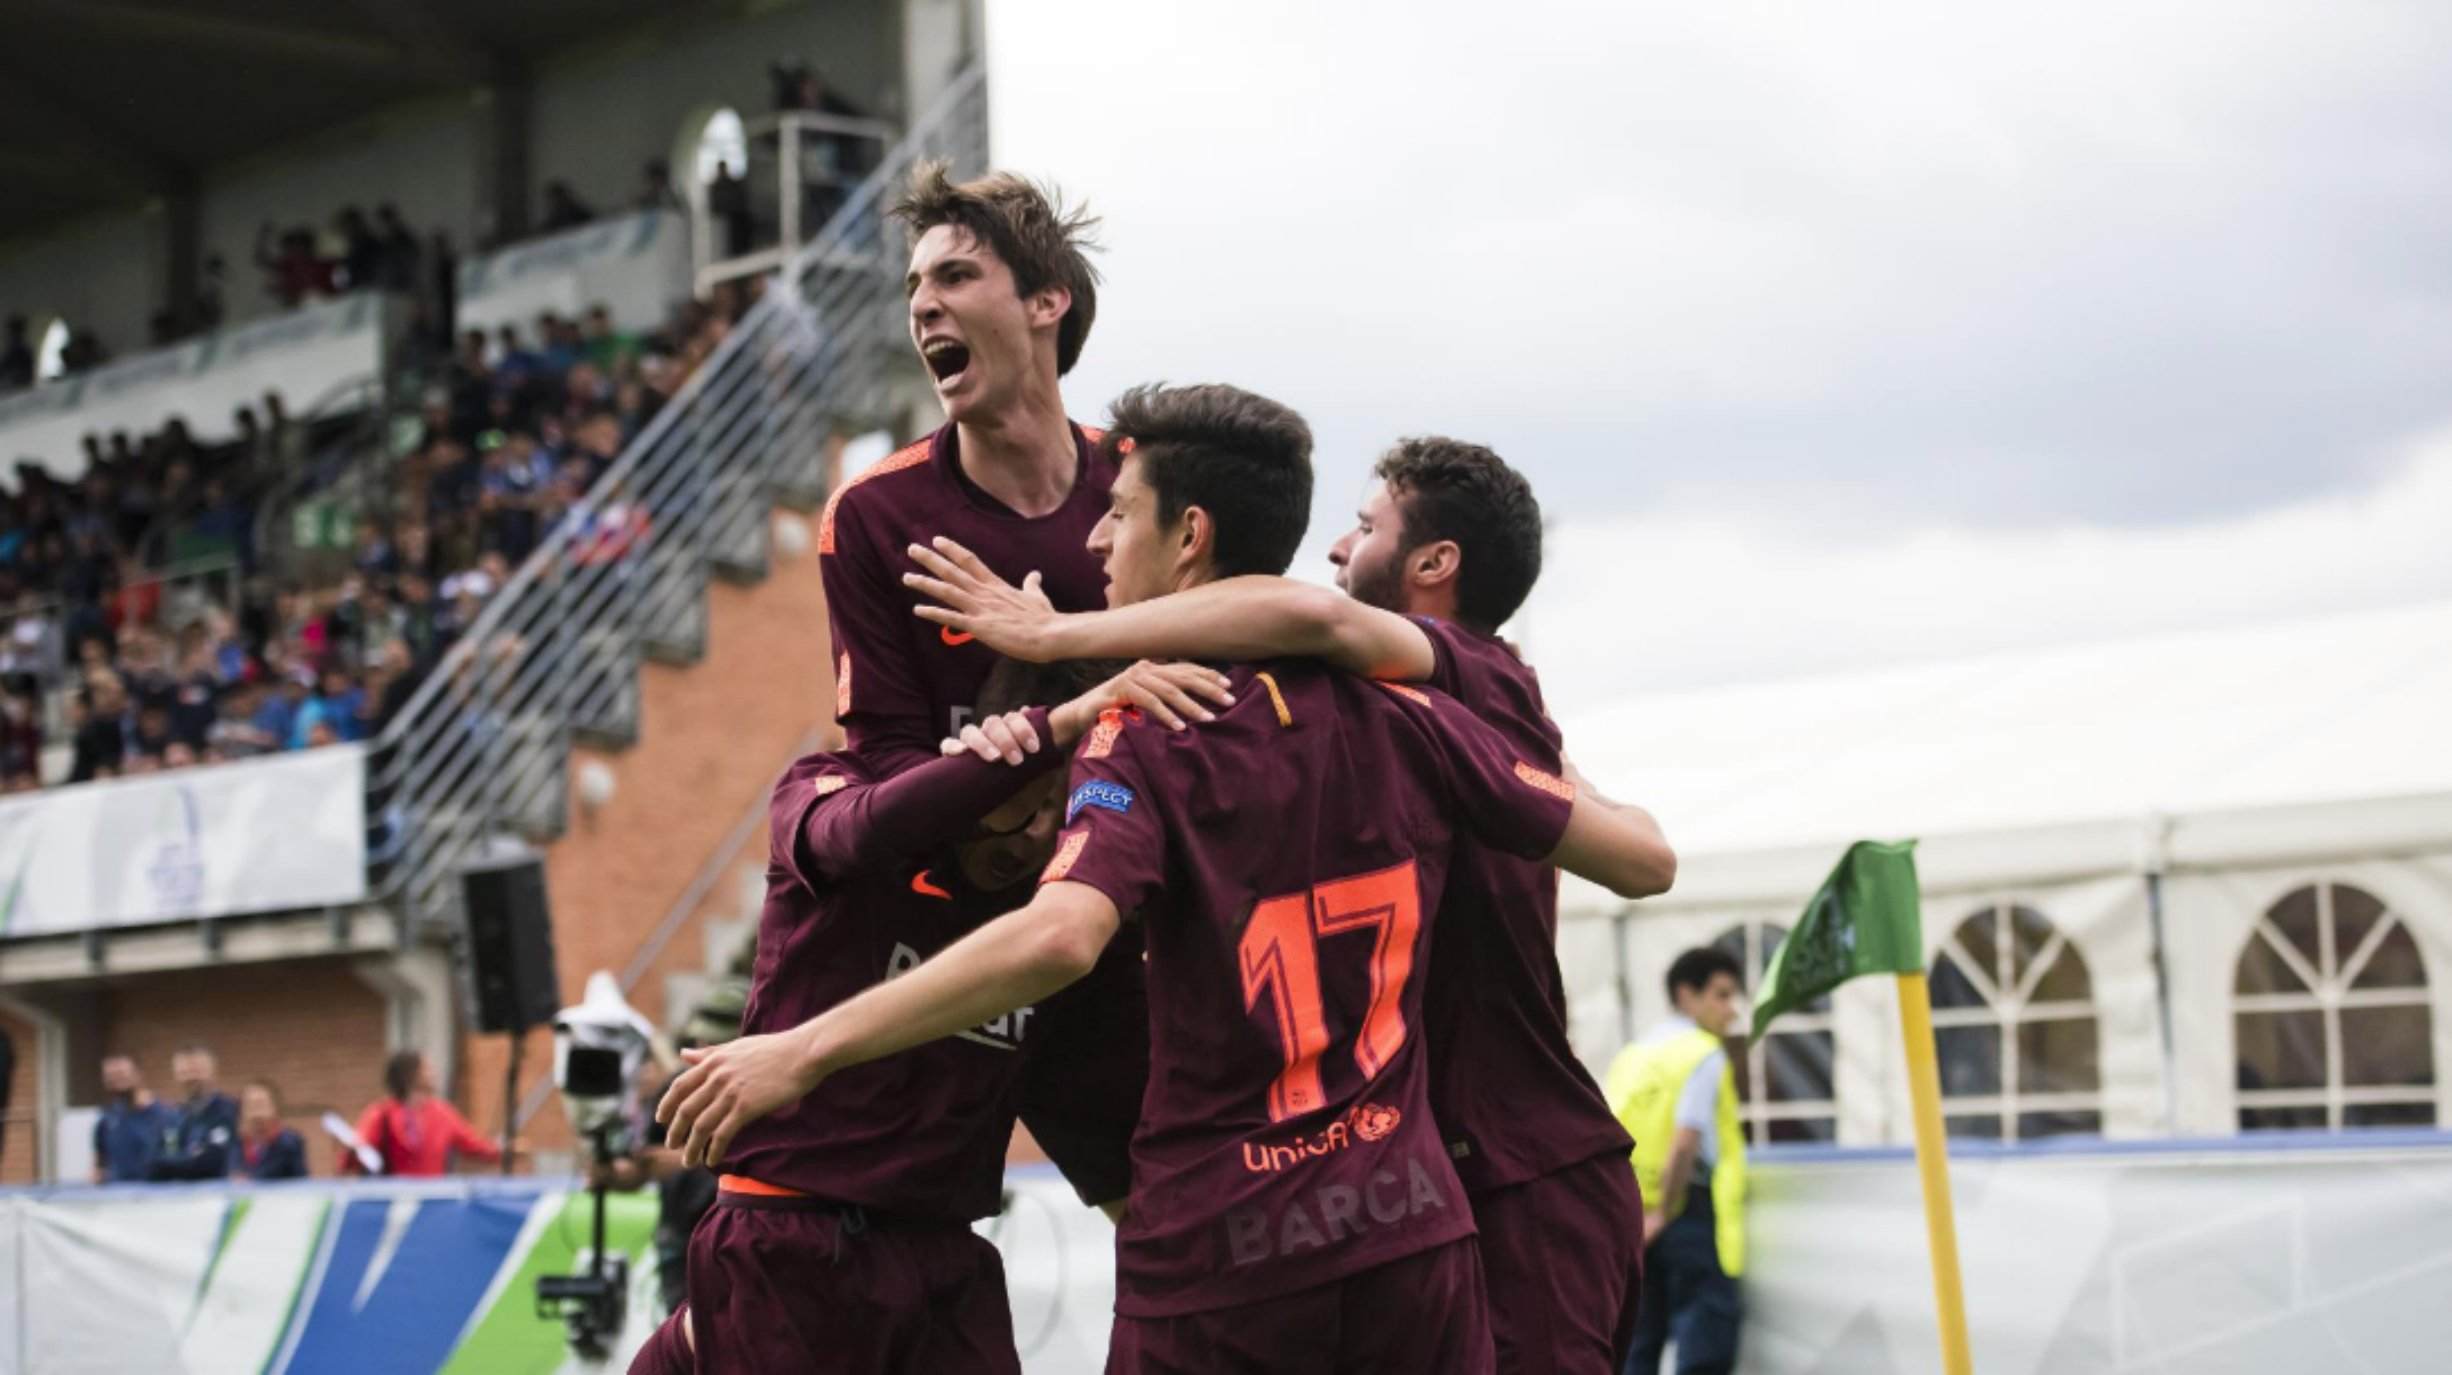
{"x":511,"y":438}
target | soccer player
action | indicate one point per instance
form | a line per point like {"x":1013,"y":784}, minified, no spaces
{"x":843,"y":1224}
{"x":1002,"y":298}
{"x":1450,"y":536}
{"x":1293,"y":1208}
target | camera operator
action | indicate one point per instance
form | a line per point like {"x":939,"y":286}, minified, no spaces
{"x":684,"y":1194}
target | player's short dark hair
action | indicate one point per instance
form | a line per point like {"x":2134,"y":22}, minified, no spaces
{"x":400,"y":1073}
{"x":1244,"y":459}
{"x":1448,"y":489}
{"x":1043,"y":241}
{"x":1695,"y":969}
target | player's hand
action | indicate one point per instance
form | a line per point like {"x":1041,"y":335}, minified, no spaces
{"x":974,"y":601}
{"x":1174,"y":693}
{"x":726,"y":1088}
{"x":1005,"y":739}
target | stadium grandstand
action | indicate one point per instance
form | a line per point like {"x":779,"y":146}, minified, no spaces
{"x":415,"y":463}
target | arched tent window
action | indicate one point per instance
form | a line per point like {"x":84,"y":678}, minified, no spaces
{"x":2330,"y":1015}
{"x":721,"y":143}
{"x":1785,"y":1083}
{"x":2014,"y":1023}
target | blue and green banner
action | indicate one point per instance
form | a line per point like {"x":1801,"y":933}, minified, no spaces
{"x":309,"y":1277}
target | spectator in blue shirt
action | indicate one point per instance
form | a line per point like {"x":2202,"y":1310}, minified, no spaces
{"x":266,"y":1148}
{"x":204,"y":1136}
{"x":133,"y":1127}
{"x":277,"y":715}
{"x":336,"y":706}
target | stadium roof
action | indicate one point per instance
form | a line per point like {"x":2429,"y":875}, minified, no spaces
{"x":106,"y":102}
{"x":2342,"y":708}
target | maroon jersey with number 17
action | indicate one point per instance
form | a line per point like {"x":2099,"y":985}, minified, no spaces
{"x":1286,"y":862}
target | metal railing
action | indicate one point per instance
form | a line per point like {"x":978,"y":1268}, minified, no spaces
{"x":480,"y":751}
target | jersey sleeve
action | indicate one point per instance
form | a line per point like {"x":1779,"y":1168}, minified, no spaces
{"x":1505,"y":800}
{"x":1443,"y":668}
{"x":880,"y":697}
{"x":1087,"y":1071}
{"x":833,"y":823}
{"x":1112,"y":839}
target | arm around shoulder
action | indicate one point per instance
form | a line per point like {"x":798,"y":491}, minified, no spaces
{"x":1620,"y":848}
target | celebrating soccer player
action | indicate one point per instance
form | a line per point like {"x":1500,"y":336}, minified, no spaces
{"x":1293,"y":1206}
{"x":1450,"y":537}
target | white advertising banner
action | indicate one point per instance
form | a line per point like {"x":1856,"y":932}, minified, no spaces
{"x":636,"y":266}
{"x":262,"y":835}
{"x":304,"y":354}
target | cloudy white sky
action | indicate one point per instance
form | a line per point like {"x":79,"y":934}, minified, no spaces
{"x":1824,"y":331}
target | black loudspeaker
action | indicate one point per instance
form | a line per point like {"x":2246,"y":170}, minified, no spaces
{"x":510,"y":945}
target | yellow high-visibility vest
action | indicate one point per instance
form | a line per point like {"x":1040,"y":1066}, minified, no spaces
{"x":1643,"y":1086}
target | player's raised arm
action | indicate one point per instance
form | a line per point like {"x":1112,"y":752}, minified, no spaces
{"x":833,"y":824}
{"x":1011,"y":962}
{"x":1235,"y":619}
{"x":1515,"y":805}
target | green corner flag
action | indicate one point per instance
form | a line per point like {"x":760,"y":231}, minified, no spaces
{"x":1864,"y":920}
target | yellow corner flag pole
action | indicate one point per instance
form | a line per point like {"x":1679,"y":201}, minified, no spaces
{"x":1933,"y":1165}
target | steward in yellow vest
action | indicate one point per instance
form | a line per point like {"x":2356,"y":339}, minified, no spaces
{"x":1674,"y":1092}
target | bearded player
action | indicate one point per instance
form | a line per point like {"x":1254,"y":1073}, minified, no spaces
{"x":1445,"y":549}
{"x":1293,"y":1206}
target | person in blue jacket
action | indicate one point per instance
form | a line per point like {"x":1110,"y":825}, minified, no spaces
{"x":266,"y":1148}
{"x":133,"y":1126}
{"x":204,"y":1137}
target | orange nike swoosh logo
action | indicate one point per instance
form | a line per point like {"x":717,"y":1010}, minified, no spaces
{"x":921,"y":886}
{"x":952,"y":636}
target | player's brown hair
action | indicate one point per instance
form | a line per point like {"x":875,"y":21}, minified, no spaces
{"x":1451,"y":490}
{"x":1244,"y":459}
{"x":1043,"y":241}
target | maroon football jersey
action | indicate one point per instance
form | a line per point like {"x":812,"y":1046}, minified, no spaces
{"x":1505,"y":1085}
{"x":902,"y":683}
{"x":862,"y":887}
{"x":1286,"y":862}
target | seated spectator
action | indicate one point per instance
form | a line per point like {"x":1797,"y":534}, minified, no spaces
{"x":293,"y":271}
{"x":100,"y":714}
{"x":266,"y":1148}
{"x":414,"y":1132}
{"x":563,"y":209}
{"x":17,"y":356}
{"x":403,"y":256}
{"x":606,"y":347}
{"x":133,"y":1126}
{"x":21,"y":734}
{"x":152,"y":732}
{"x":375,"y":557}
{"x":203,"y":1141}
{"x":276,"y":715}
{"x":237,"y":732}
{"x":656,"y":187}
{"x":211,"y":292}
{"x":334,"y":709}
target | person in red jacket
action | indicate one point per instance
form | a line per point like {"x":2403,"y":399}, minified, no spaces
{"x":414,"y":1130}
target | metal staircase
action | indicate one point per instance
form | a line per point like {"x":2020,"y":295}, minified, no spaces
{"x":481,"y":751}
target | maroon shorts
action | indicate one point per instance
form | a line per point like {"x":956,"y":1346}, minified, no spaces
{"x":1563,"y":1255}
{"x":779,"y":1284}
{"x":1422,"y":1315}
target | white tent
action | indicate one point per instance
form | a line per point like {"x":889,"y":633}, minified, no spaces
{"x":2211,"y":775}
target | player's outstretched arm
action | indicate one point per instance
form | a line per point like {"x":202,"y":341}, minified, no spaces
{"x":1011,"y":962}
{"x":1234,"y":619}
{"x":1618,"y":847}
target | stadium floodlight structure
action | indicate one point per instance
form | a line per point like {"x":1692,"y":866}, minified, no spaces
{"x":481,"y":749}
